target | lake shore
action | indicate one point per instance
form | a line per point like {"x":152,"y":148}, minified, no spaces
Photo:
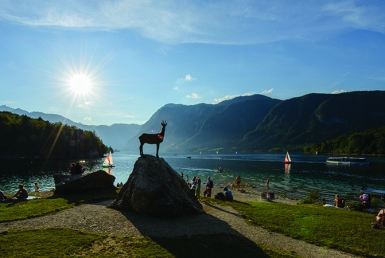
{"x":245,"y":193}
{"x":253,"y":195}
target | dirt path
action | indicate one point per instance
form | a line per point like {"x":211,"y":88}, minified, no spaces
{"x":217,"y":219}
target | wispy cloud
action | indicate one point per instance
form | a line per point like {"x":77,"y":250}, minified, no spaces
{"x":339,"y":91}
{"x":179,"y":21}
{"x":267,"y":92}
{"x":228,"y":97}
{"x":194,"y":96}
{"x":87,"y":119}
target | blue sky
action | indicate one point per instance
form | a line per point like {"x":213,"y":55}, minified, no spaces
{"x":106,"y":62}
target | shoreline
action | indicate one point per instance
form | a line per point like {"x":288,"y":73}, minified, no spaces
{"x":247,"y":193}
{"x":251,"y":194}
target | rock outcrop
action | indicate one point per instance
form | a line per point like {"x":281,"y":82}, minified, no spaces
{"x":94,"y":180}
{"x":155,"y":189}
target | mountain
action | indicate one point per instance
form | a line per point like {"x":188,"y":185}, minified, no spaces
{"x":115,"y":135}
{"x":314,"y":118}
{"x":260,"y":124}
{"x":246,"y":124}
{"x":206,"y":127}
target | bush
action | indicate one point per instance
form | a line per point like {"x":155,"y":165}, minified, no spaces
{"x":311,"y":198}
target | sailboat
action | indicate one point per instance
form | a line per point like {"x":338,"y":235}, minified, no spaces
{"x":287,"y":158}
{"x":108,"y":162}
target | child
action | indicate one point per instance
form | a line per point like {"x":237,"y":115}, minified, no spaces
{"x":36,"y":187}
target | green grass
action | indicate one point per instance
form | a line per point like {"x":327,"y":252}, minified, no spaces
{"x":341,"y":229}
{"x":55,"y":242}
{"x":345,"y":230}
{"x":51,"y":203}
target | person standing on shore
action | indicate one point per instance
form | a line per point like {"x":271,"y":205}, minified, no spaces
{"x":209,"y":187}
{"x":198,"y":187}
{"x":238,"y":182}
{"x":36,"y":187}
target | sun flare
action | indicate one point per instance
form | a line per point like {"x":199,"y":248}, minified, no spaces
{"x":80,"y":84}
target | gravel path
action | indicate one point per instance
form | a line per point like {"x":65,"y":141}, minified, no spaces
{"x":217,"y":219}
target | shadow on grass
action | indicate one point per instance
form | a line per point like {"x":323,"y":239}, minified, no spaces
{"x":198,"y":235}
{"x":216,"y":245}
{"x":88,"y":196}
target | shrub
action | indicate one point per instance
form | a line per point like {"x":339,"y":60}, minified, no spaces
{"x":311,"y":198}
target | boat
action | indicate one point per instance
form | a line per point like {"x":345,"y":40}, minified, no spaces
{"x":108,"y":162}
{"x":287,"y":158}
{"x":347,"y":161}
{"x":221,"y":170}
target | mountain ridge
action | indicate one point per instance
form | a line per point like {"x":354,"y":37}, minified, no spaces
{"x":114,"y":135}
{"x":254,"y":123}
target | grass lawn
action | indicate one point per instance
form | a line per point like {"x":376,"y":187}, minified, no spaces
{"x":54,"y":242}
{"x":345,"y":230}
{"x":49,"y":202}
{"x":341,"y":229}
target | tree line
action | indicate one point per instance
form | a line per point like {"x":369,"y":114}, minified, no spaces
{"x":370,"y":141}
{"x":23,"y":136}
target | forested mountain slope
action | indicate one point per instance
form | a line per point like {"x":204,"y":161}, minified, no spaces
{"x":258,"y":123}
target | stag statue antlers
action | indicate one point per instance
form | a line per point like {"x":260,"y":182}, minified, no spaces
{"x":152,"y":139}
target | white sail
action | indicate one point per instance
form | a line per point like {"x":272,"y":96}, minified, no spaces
{"x":108,"y":162}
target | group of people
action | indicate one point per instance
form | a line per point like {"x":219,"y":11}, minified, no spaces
{"x":366,"y":203}
{"x":195,"y":184}
{"x":76,"y":169}
{"x":226,"y":195}
{"x":22,"y":194}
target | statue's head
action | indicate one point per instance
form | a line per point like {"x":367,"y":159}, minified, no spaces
{"x":164,"y":123}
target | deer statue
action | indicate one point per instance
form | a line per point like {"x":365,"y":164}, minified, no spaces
{"x":152,"y":139}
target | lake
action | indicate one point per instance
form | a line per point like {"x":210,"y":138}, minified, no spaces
{"x":308,"y":172}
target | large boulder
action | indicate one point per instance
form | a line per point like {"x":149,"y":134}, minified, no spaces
{"x":94,"y":180}
{"x":156,"y":189}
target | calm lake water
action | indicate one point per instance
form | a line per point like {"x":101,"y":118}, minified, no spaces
{"x":308,"y":172}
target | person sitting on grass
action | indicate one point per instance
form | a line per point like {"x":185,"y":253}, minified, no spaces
{"x":228,"y":194}
{"x":366,"y":200}
{"x":22,"y":194}
{"x":2,"y":196}
{"x":339,"y":202}
{"x":380,"y":218}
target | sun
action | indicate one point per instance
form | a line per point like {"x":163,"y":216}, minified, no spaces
{"x":80,"y":84}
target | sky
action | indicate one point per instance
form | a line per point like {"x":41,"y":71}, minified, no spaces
{"x":119,"y":61}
